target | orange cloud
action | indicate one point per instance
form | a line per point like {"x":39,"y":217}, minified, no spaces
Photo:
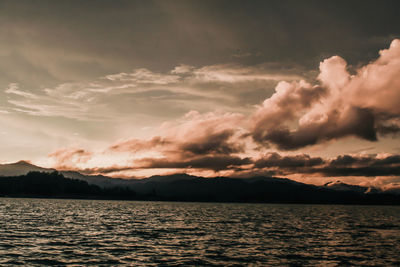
{"x":68,"y":157}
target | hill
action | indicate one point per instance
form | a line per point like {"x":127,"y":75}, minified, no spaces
{"x":182,"y":187}
{"x":54,"y":184}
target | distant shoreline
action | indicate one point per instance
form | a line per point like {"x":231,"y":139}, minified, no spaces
{"x":191,"y":189}
{"x":193,"y":201}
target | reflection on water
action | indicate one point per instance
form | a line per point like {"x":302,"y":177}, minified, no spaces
{"x":45,"y":231}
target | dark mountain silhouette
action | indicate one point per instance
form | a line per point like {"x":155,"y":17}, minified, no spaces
{"x":54,"y":184}
{"x":183,"y":187}
{"x":257,"y":189}
{"x":23,"y":167}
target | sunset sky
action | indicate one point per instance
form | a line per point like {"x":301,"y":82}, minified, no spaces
{"x":308,"y":90}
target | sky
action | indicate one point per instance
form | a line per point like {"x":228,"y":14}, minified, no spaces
{"x":307,"y":90}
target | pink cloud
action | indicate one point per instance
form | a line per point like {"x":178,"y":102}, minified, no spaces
{"x":362,"y":105}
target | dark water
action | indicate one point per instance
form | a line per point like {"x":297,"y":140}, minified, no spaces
{"x":86,"y":232}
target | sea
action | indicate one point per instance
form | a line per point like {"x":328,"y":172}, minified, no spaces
{"x":37,"y":232}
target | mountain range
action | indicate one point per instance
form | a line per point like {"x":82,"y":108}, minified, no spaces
{"x":184,"y":187}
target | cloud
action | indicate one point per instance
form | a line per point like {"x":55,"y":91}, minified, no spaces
{"x":144,"y":76}
{"x":136,"y":145}
{"x":341,"y":166}
{"x":142,"y":90}
{"x":371,"y":165}
{"x":209,"y":133}
{"x":204,"y":145}
{"x":103,"y":170}
{"x":66,"y":100}
{"x":299,"y":114}
{"x":287,"y":162}
{"x":233,"y":73}
{"x":182,"y":69}
{"x":380,"y":170}
{"x":364,"y":105}
{"x":393,"y":187}
{"x":215,"y":143}
{"x":192,"y":134}
{"x":379,"y":79}
{"x":67,"y":157}
{"x":288,"y":103}
{"x":215,"y":163}
{"x":13,"y":88}
{"x":210,"y":141}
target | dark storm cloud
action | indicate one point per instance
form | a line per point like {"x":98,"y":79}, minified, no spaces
{"x":348,"y":160}
{"x":101,"y":170}
{"x":289,"y":162}
{"x":215,"y":143}
{"x":366,"y":171}
{"x":357,"y":122}
{"x":215,"y":163}
{"x":276,"y":164}
{"x":342,"y":165}
{"x":270,"y":164}
{"x":390,"y":125}
{"x":193,"y":135}
{"x":218,"y":143}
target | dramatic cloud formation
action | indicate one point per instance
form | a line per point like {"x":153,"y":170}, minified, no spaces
{"x":363,"y":105}
{"x":383,"y":169}
{"x":194,"y":134}
{"x":346,"y":165}
{"x":200,"y":141}
{"x":213,"y":88}
{"x":215,"y":163}
{"x":298,"y":114}
{"x":287,"y":162}
{"x":342,"y":165}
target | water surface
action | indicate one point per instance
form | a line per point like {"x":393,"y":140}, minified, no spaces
{"x":95,"y":232}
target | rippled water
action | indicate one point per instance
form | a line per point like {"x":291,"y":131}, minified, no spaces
{"x":77,"y":232}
